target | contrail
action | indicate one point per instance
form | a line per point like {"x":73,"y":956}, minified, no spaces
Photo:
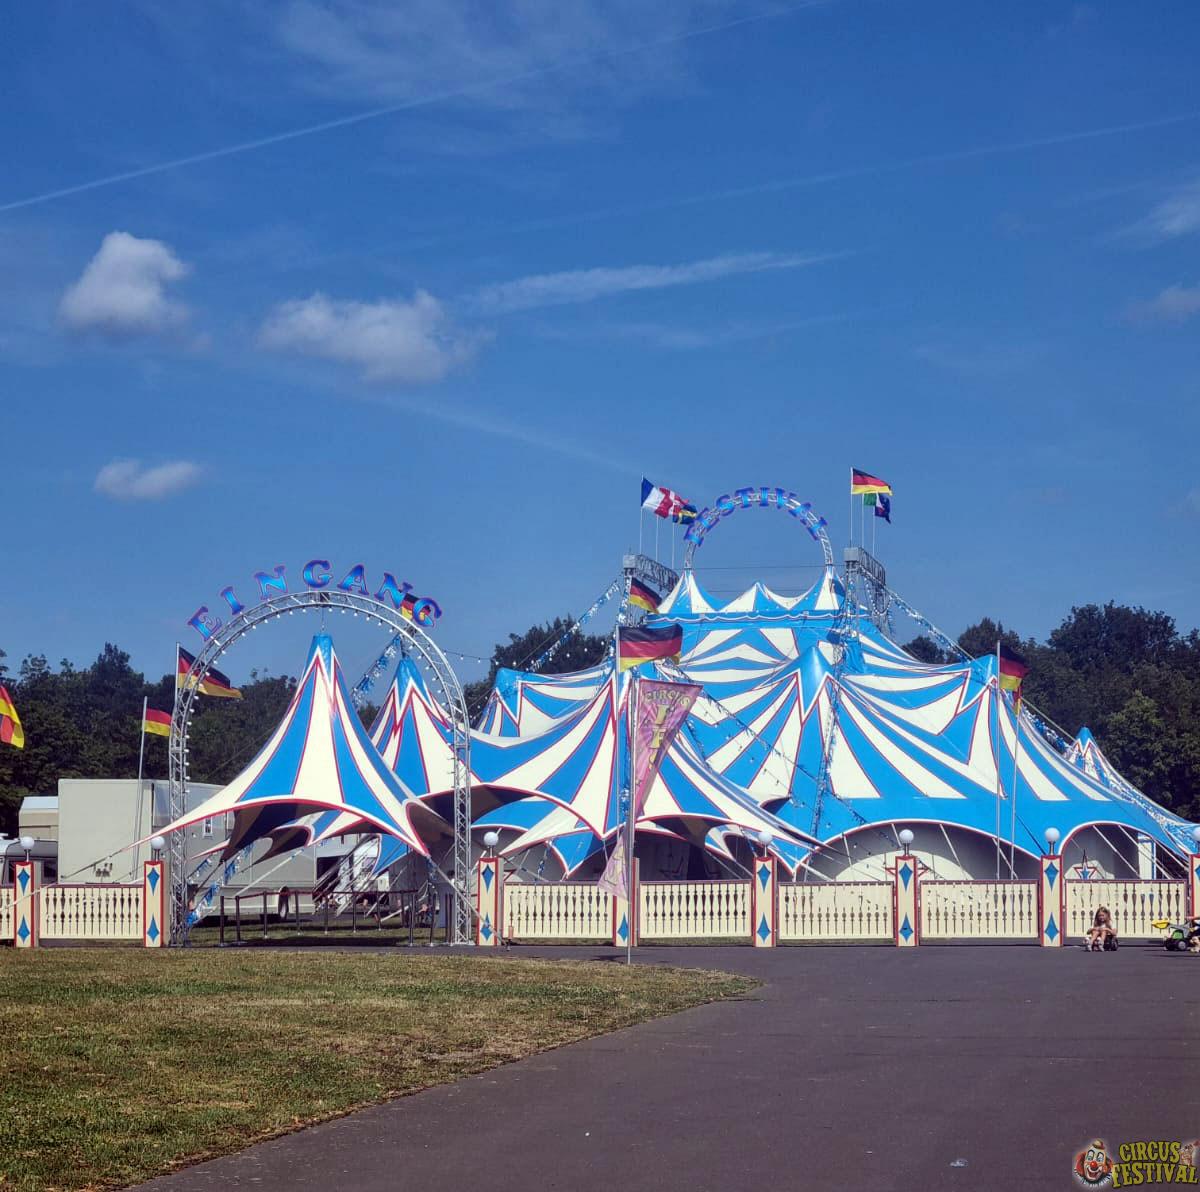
{"x":800,"y":182}
{"x":408,"y":105}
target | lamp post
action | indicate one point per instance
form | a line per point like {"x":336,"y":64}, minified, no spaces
{"x":764,"y":839}
{"x":27,"y":843}
{"x":1052,"y":901}
{"x":906,"y":839}
{"x":488,"y":893}
{"x":157,"y":844}
{"x":764,"y":903}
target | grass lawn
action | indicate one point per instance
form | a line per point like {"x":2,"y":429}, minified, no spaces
{"x":120,"y":1064}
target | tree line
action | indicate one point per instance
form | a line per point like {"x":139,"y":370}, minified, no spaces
{"x":1127,"y":673}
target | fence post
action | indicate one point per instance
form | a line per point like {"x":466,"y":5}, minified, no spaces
{"x":1194,"y":883}
{"x":25,"y":905}
{"x":764,"y":903}
{"x":488,"y":896}
{"x":153,"y":904}
{"x":1051,"y":901}
{"x":624,"y":916}
{"x":906,"y":920}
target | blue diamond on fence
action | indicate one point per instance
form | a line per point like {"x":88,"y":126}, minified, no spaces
{"x":486,"y":929}
{"x":152,"y":881}
{"x":23,"y":878}
{"x":1051,"y":874}
{"x":23,"y":931}
{"x":623,"y":929}
{"x":764,"y":932}
{"x":487,"y":876}
{"x":906,"y":929}
{"x":1052,"y":929}
{"x":764,"y":875}
{"x":906,"y":874}
{"x":152,"y":930}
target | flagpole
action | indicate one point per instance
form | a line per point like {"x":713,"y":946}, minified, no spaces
{"x":657,"y":523}
{"x":999,"y":744}
{"x":641,"y":523}
{"x":630,"y":723}
{"x":1012,"y":833}
{"x":851,"y":506}
{"x":141,"y":759}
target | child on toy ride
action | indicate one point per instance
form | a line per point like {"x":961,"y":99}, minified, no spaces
{"x":1103,"y":933}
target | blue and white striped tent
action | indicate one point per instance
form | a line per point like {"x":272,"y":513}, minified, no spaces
{"x":319,"y":763}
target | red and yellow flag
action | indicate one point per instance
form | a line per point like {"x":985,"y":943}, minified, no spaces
{"x":864,"y":482}
{"x":1012,"y":669}
{"x":214,"y":682}
{"x":11,"y":732}
{"x":157,"y":722}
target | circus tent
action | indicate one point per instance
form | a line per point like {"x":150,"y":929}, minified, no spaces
{"x":319,"y":775}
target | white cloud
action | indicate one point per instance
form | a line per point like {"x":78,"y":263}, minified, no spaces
{"x":585,"y":285}
{"x":516,"y":57}
{"x":1176,"y":215}
{"x":123,"y":291}
{"x":409,"y":342}
{"x":129,"y":480}
{"x":1174,"y":305}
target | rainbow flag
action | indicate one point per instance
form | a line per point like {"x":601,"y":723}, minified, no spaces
{"x":639,"y":645}
{"x":214,"y":682}
{"x":642,"y":596}
{"x":864,"y":482}
{"x":156,"y":722}
{"x":11,"y":732}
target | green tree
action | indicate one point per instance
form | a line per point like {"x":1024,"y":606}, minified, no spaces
{"x":578,"y":652}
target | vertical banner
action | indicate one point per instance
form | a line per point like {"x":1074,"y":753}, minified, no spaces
{"x":763,"y":903}
{"x":488,"y":902}
{"x":25,"y":922}
{"x":1194,"y":884}
{"x":1051,"y":902}
{"x":659,"y":710}
{"x":153,"y":904}
{"x":906,"y":920}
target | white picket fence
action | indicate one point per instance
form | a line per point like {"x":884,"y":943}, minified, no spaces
{"x":6,"y":913}
{"x":1134,"y":904}
{"x":979,"y":910}
{"x":831,"y":911}
{"x":694,"y":910}
{"x":99,"y":913}
{"x":572,"y":911}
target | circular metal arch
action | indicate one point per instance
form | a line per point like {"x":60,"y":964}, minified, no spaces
{"x":416,"y":640}
{"x":745,"y":498}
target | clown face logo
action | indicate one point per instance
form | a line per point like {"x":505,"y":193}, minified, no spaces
{"x":1189,"y":1153}
{"x":1093,"y":1167}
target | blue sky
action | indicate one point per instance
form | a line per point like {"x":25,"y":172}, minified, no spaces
{"x":430,"y":287}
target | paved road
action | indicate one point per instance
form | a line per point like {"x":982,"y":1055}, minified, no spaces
{"x":851,"y":1068}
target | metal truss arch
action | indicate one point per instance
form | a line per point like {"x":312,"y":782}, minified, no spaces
{"x":745,"y":498}
{"x":414,"y":639}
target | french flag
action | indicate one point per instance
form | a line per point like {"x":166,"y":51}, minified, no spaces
{"x":666,"y":503}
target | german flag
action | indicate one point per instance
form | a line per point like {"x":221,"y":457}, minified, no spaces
{"x":1013,"y":669}
{"x":408,"y":609}
{"x":864,"y":482}
{"x":214,"y":682}
{"x":642,"y":596}
{"x":157,"y":722}
{"x":11,"y":732}
{"x":639,"y":645}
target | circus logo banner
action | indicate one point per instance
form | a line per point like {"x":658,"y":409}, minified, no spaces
{"x":659,"y":710}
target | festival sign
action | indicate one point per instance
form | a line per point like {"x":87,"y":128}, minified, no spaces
{"x":316,"y":575}
{"x":744,"y":498}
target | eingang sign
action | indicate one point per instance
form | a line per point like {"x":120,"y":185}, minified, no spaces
{"x":316,"y":575}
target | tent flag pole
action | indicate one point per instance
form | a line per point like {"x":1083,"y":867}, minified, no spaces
{"x":1012,"y":834}
{"x":851,"y":506}
{"x":141,"y":758}
{"x":629,"y":827}
{"x":999,"y":744}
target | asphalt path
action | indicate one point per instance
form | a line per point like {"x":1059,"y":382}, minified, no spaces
{"x":849,"y":1068}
